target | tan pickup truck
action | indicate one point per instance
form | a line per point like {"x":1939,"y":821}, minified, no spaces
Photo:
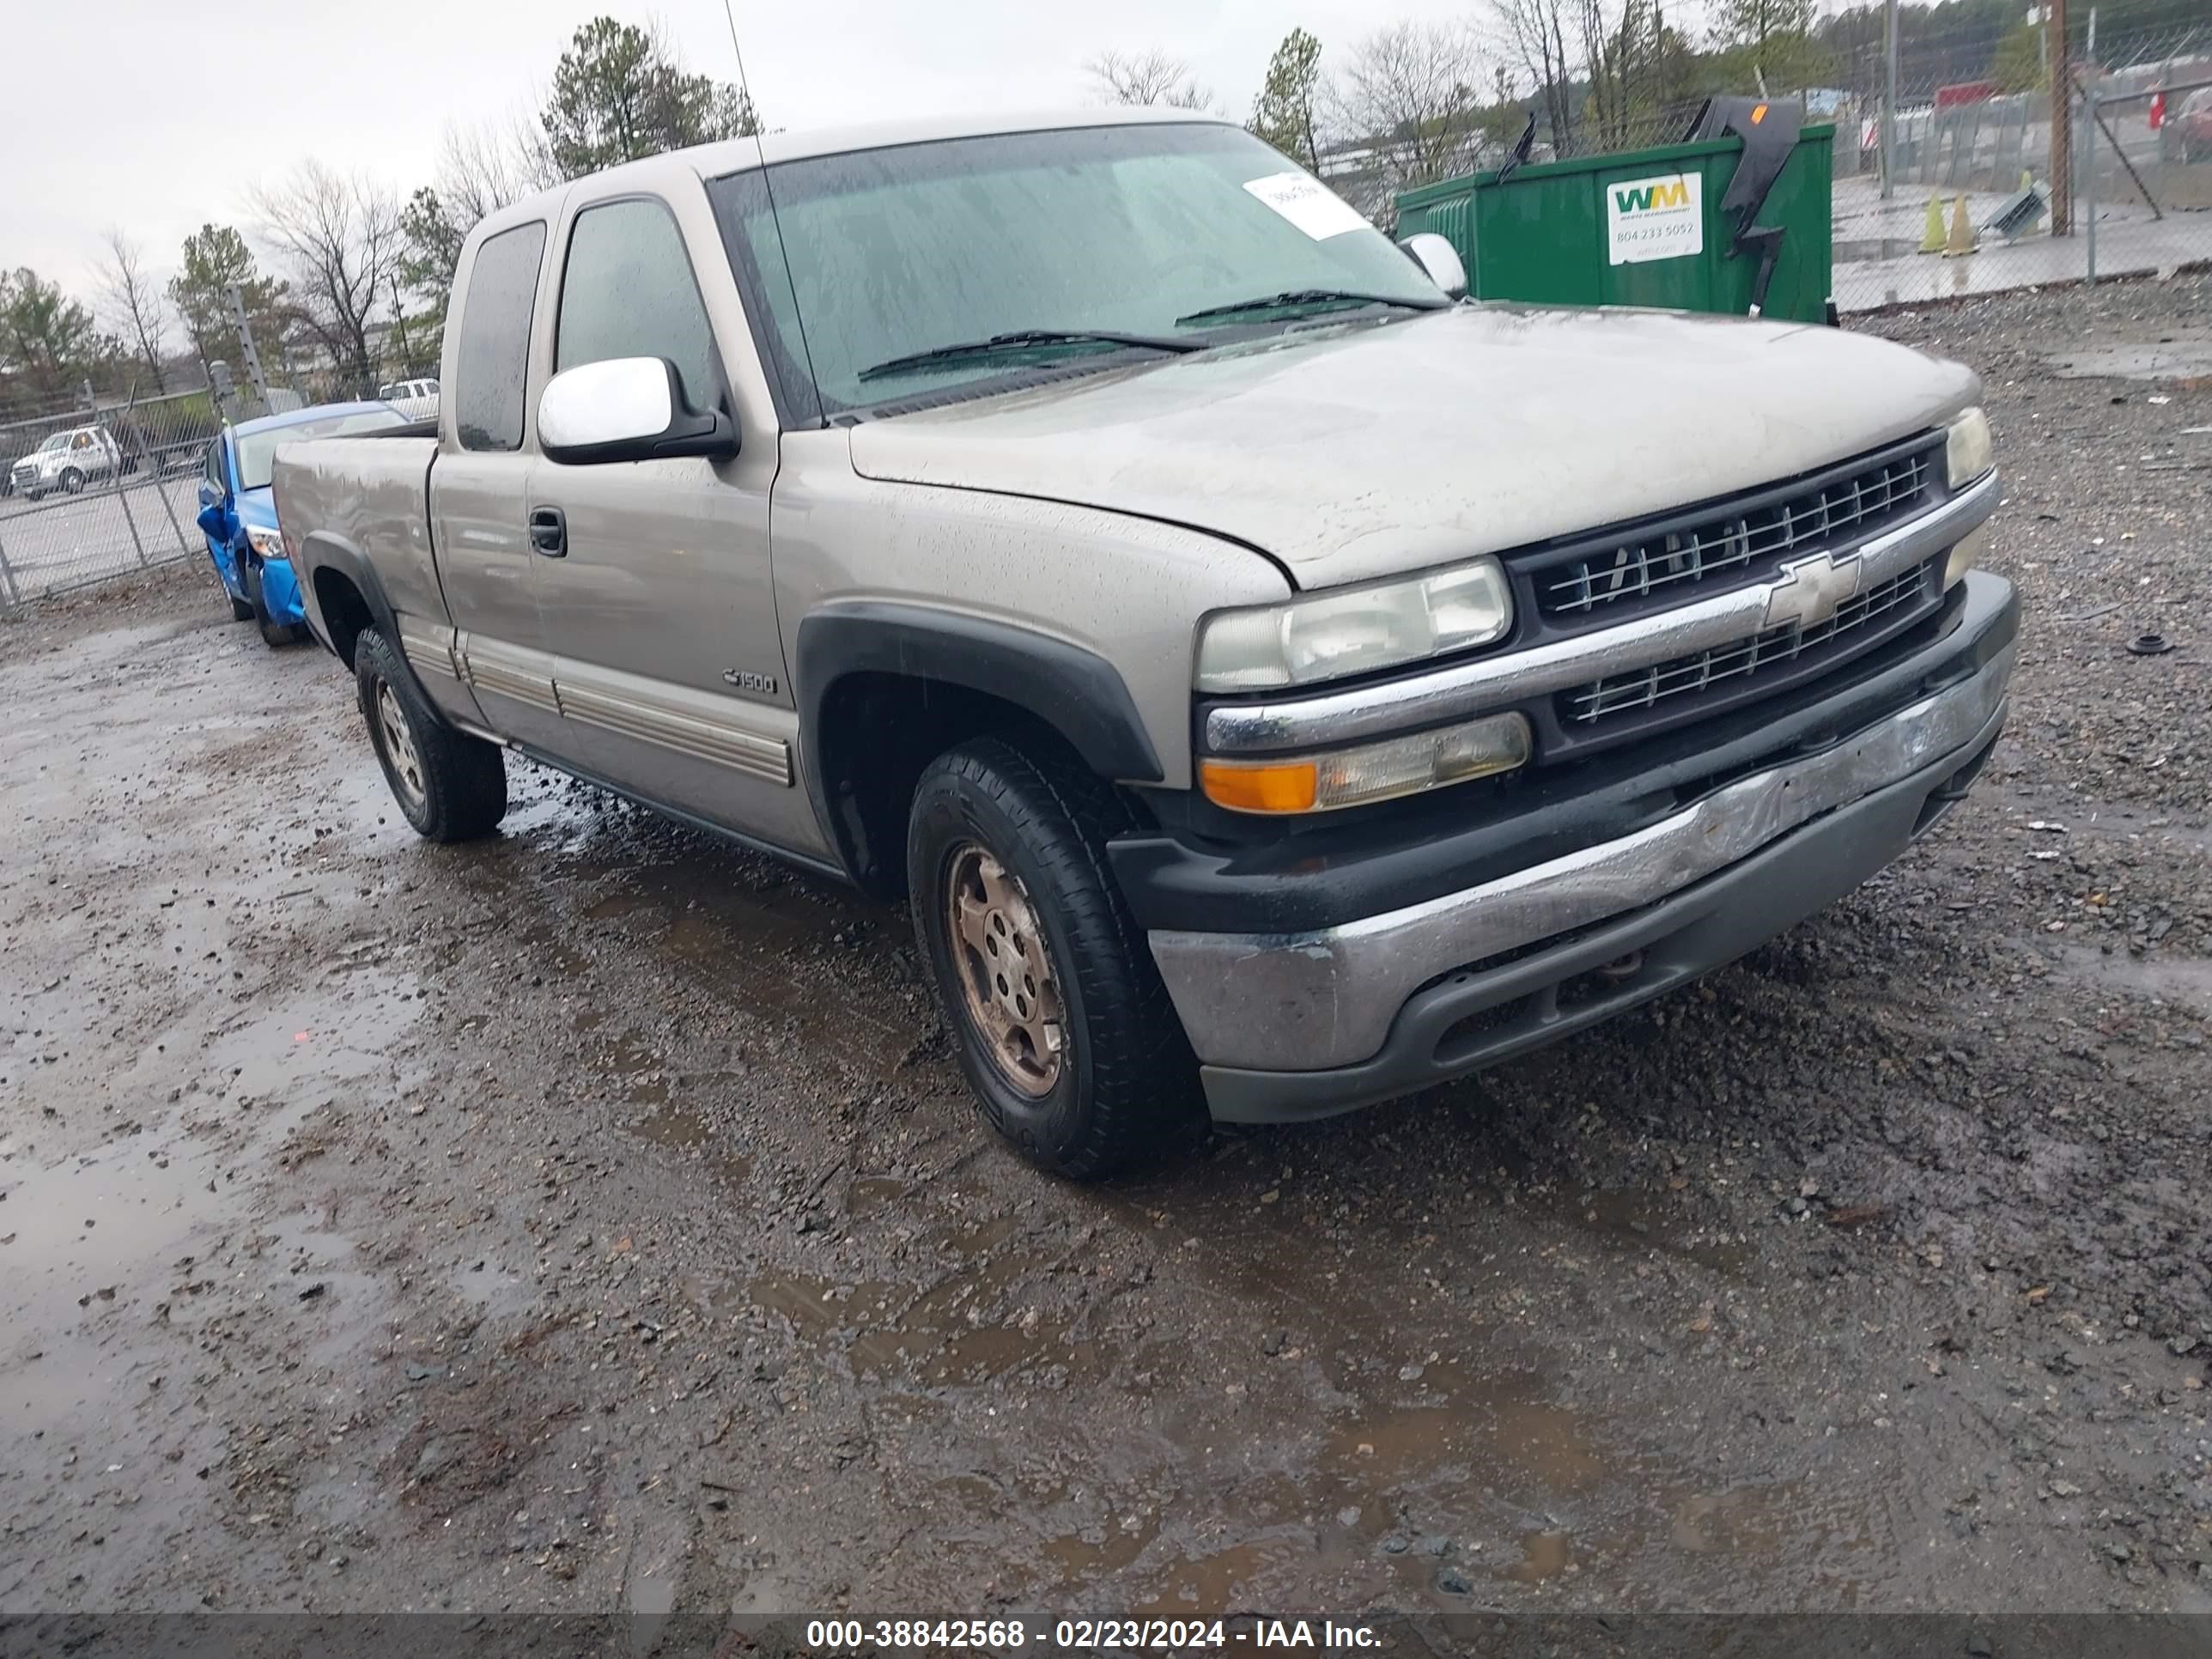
{"x":1277,"y":683}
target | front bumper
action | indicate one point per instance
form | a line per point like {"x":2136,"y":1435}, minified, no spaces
{"x":1299,"y":1024}
{"x":280,"y":592}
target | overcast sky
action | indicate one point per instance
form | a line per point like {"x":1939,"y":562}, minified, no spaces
{"x":156,"y":117}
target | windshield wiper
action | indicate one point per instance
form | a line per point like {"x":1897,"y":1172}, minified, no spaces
{"x":1026,"y":339}
{"x":1306,"y":299}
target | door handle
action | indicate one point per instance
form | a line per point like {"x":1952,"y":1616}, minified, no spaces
{"x":549,"y":531}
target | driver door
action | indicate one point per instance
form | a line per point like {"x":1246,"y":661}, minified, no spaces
{"x":661,"y":609}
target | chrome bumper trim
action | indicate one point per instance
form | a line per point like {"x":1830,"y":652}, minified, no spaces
{"x":1308,"y":1001}
{"x":1475,"y":686}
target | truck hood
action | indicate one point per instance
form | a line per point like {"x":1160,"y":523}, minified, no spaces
{"x":1361,"y":451}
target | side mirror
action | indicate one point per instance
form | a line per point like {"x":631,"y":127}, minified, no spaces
{"x":214,"y":522}
{"x":627,"y":409}
{"x":1440,"y":259}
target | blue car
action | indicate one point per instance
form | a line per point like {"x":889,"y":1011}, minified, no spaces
{"x":238,"y":514}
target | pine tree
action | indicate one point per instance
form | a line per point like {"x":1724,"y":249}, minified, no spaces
{"x":1283,"y":114}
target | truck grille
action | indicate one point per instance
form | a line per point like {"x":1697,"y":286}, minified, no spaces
{"x":1748,"y":658}
{"x":1851,"y":503}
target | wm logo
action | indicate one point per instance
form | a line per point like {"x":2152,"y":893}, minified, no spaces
{"x":1673,"y":193}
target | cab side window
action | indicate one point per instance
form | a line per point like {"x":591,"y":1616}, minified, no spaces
{"x":495,"y":357}
{"x":628,"y":291}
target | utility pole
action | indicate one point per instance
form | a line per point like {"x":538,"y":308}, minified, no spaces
{"x":1888,"y":100}
{"x":399,"y":327}
{"x":252,"y":357}
{"x":2061,"y":122}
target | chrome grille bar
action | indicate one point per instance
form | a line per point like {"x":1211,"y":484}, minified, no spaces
{"x":1620,"y":693}
{"x":1729,"y":542}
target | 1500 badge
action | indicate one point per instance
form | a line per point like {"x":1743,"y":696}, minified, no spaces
{"x":757,"y":685}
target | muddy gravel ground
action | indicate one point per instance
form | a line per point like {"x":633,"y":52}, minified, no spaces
{"x":592,"y":1219}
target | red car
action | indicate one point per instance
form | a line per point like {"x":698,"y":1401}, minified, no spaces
{"x":2187,"y":135}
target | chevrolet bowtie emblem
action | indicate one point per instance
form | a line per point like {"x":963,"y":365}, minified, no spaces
{"x":1810,"y":590}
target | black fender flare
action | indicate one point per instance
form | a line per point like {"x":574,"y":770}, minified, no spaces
{"x":1078,"y":693}
{"x":321,"y":552}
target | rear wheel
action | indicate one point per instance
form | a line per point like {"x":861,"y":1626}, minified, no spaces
{"x":1064,"y":1030}
{"x":451,"y":786}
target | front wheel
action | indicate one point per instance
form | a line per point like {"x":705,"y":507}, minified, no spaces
{"x":72,"y":482}
{"x":1064,"y":1030}
{"x":451,"y":786}
{"x":274,"y":634}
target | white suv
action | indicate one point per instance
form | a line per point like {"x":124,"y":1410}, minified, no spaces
{"x":67,"y":462}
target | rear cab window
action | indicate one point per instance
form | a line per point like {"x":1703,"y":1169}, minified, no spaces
{"x":495,"y":349}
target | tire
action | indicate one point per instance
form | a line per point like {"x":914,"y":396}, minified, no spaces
{"x":34,"y":494}
{"x":274,"y":634}
{"x":239,"y":610}
{"x":72,"y":482}
{"x":1023,"y":836}
{"x":450,"y":786}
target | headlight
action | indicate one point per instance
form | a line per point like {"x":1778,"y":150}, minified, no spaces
{"x":1965,"y":556}
{"x":1371,"y":772}
{"x":1355,"y":630}
{"x":1967,"y":452}
{"x":267,"y":542}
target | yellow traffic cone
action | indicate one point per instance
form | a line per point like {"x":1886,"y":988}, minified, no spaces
{"x":1962,"y":233}
{"x":1933,"y":241}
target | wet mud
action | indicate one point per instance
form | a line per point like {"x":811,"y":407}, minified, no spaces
{"x":593,"y":1219}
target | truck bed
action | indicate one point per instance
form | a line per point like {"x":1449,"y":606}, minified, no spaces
{"x":370,"y":496}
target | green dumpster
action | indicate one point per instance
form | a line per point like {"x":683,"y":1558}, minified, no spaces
{"x":1644,"y":228}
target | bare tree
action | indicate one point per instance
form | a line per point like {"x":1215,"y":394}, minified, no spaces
{"x":131,"y":303}
{"x":484,"y":168}
{"x":1409,"y":90}
{"x":1150,"y":77}
{"x":1532,"y":35}
{"x":338,"y":237}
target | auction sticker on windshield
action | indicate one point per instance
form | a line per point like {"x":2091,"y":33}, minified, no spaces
{"x":1311,"y":205}
{"x":1659,"y":218}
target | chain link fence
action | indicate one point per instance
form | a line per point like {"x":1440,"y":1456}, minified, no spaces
{"x":1958,"y":218}
{"x":94,"y":492}
{"x":1950,"y":217}
{"x":108,"y":487}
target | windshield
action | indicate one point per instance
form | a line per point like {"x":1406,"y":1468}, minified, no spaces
{"x":59,"y":440}
{"x":1120,"y":228}
{"x":256,"y":451}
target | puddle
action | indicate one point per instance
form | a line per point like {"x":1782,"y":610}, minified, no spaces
{"x":2184,"y":980}
{"x":306,"y":1051}
{"x":870,"y":1194}
{"x":1084,"y":1558}
{"x":1543,"y":1555}
{"x":1639,"y":1222}
{"x":1746,"y":1520}
{"x":1862,"y":250}
{"x":684,"y":1131}
{"x":969,"y":1327}
{"x":2186,"y":358}
{"x":1495,"y":1433}
{"x":88,"y":1245}
{"x":1207,"y":1584}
